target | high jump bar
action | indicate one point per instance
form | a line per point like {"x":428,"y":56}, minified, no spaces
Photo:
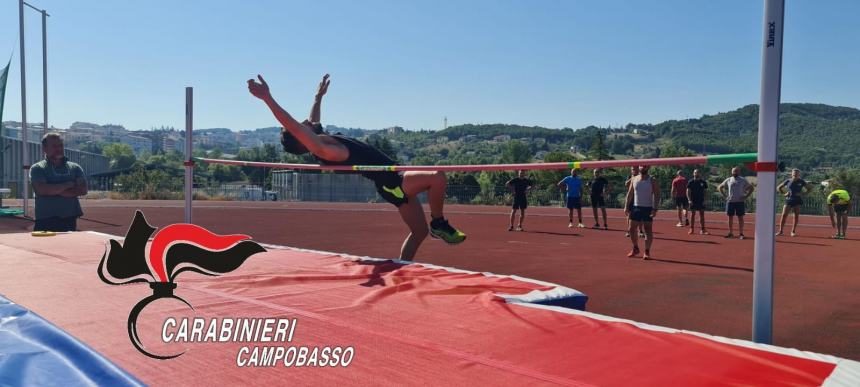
{"x":735,"y":158}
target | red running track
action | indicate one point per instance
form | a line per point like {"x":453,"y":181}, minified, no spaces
{"x":699,"y":283}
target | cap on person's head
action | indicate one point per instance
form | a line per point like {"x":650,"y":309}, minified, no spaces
{"x":291,"y":144}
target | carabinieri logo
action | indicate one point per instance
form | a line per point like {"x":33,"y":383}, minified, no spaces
{"x":176,"y":248}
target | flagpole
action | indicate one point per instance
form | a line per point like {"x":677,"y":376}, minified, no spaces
{"x":26,"y":149}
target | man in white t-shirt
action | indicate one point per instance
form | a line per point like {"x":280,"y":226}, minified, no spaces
{"x":736,"y":190}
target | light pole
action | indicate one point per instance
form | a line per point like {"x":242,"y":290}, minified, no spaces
{"x":26,"y":149}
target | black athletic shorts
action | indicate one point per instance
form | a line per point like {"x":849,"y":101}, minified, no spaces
{"x":737,"y":208}
{"x":697,"y":205}
{"x":520,"y":203}
{"x":791,"y":202}
{"x":388,"y":185}
{"x":598,"y":201}
{"x":574,"y":202}
{"x":641,"y":214}
{"x":840,"y":208}
{"x":682,"y":202}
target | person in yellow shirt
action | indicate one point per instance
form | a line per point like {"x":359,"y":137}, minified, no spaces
{"x":838,"y":203}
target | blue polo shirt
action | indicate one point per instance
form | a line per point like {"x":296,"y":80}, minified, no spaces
{"x":574,"y":186}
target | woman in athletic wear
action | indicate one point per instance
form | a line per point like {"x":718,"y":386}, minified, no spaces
{"x":396,"y":188}
{"x":793,"y":190}
{"x":838,"y":204}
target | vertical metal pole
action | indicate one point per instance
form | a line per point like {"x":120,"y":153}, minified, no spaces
{"x":45,"y":70}
{"x":771,"y":76}
{"x":189,"y":163}
{"x":26,"y":150}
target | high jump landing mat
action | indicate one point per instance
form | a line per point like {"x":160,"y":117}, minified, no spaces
{"x":408,"y":324}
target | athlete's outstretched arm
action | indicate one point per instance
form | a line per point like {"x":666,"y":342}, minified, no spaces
{"x":321,"y":90}
{"x":301,"y":132}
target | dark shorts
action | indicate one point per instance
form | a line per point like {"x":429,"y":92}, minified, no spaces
{"x":598,"y":201}
{"x":389,"y":187}
{"x":56,"y":224}
{"x":520,"y":203}
{"x":574,"y":202}
{"x":682,"y":202}
{"x":697,"y":205}
{"x":791,"y":202}
{"x":840,"y":208}
{"x":739,"y":209}
{"x":630,"y":207}
{"x":641,"y":214}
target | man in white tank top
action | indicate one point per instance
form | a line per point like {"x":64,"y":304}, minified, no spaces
{"x":643,"y":199}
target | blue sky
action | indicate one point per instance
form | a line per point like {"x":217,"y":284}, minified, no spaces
{"x":410,"y":63}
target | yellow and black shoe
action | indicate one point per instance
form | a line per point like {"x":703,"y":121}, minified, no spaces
{"x":440,"y":229}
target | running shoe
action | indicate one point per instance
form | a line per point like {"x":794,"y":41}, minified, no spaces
{"x":440,"y":229}
{"x":778,"y":234}
{"x":729,"y":236}
{"x":511,"y":228}
{"x":596,"y":226}
{"x":580,"y":225}
{"x":704,"y":232}
{"x":519,"y":228}
{"x":627,"y":234}
{"x":606,"y":227}
{"x":680,"y":224}
{"x":692,"y":232}
{"x":741,"y":236}
{"x":794,"y":234}
{"x":570,"y":225}
{"x":633,"y":252}
{"x":647,"y":255}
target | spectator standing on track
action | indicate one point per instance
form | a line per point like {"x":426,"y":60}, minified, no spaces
{"x":643,"y":197}
{"x":521,"y":186}
{"x":634,"y":171}
{"x":573,"y":199}
{"x":679,"y":194}
{"x":839,"y":203}
{"x":57,"y":183}
{"x":793,"y":190}
{"x":599,"y":191}
{"x":697,"y":189}
{"x":736,"y":190}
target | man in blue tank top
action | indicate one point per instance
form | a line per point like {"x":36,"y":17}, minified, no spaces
{"x":398,"y":189}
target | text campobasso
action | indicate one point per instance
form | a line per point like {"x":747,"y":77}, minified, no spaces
{"x":256,"y":330}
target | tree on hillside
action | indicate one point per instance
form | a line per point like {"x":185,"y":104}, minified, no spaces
{"x":93,"y":147}
{"x":598,"y":147}
{"x":121,"y":155}
{"x":515,"y":152}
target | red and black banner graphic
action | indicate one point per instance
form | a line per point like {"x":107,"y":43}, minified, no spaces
{"x":174,"y":249}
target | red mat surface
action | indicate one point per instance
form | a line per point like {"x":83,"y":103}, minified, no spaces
{"x":409,"y":325}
